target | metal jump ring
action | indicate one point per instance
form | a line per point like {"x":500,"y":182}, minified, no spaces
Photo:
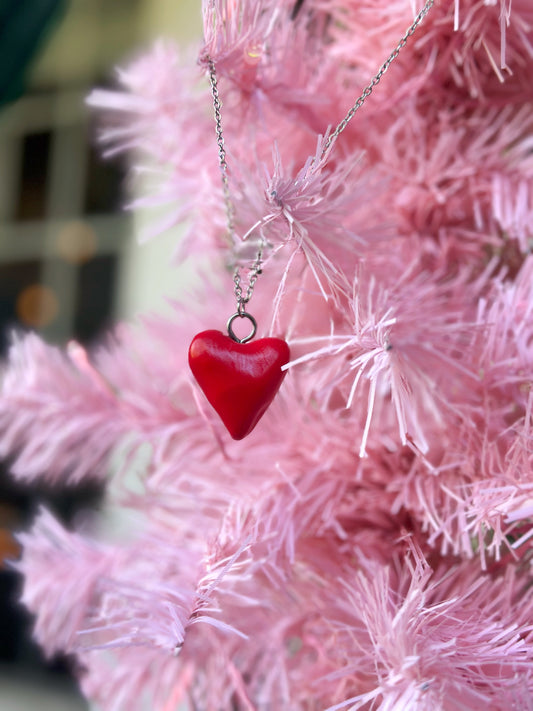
{"x":231,"y":333}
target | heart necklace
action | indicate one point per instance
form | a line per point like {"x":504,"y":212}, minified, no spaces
{"x":239,"y":378}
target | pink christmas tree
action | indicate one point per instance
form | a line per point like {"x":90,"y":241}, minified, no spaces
{"x":368,"y":545}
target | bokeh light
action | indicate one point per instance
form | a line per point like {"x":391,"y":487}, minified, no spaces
{"x":37,"y":306}
{"x":76,"y":242}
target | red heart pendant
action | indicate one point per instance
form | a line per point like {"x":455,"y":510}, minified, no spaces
{"x":240,"y":380}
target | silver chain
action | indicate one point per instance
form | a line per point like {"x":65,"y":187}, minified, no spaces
{"x":256,"y":270}
{"x":377,"y":77}
{"x":254,"y":273}
{"x":217,"y":105}
{"x":244,"y":297}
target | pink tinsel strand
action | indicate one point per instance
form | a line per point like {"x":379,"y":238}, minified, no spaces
{"x":62,"y":571}
{"x":55,"y":420}
{"x":482,"y":48}
{"x":401,"y":357}
{"x":449,"y":638}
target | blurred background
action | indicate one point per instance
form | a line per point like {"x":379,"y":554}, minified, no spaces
{"x":70,"y":264}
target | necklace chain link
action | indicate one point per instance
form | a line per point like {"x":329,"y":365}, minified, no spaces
{"x":244,"y":297}
{"x":217,"y":106}
{"x":253,"y":275}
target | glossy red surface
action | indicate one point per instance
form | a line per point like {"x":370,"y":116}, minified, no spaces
{"x":240,"y":380}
